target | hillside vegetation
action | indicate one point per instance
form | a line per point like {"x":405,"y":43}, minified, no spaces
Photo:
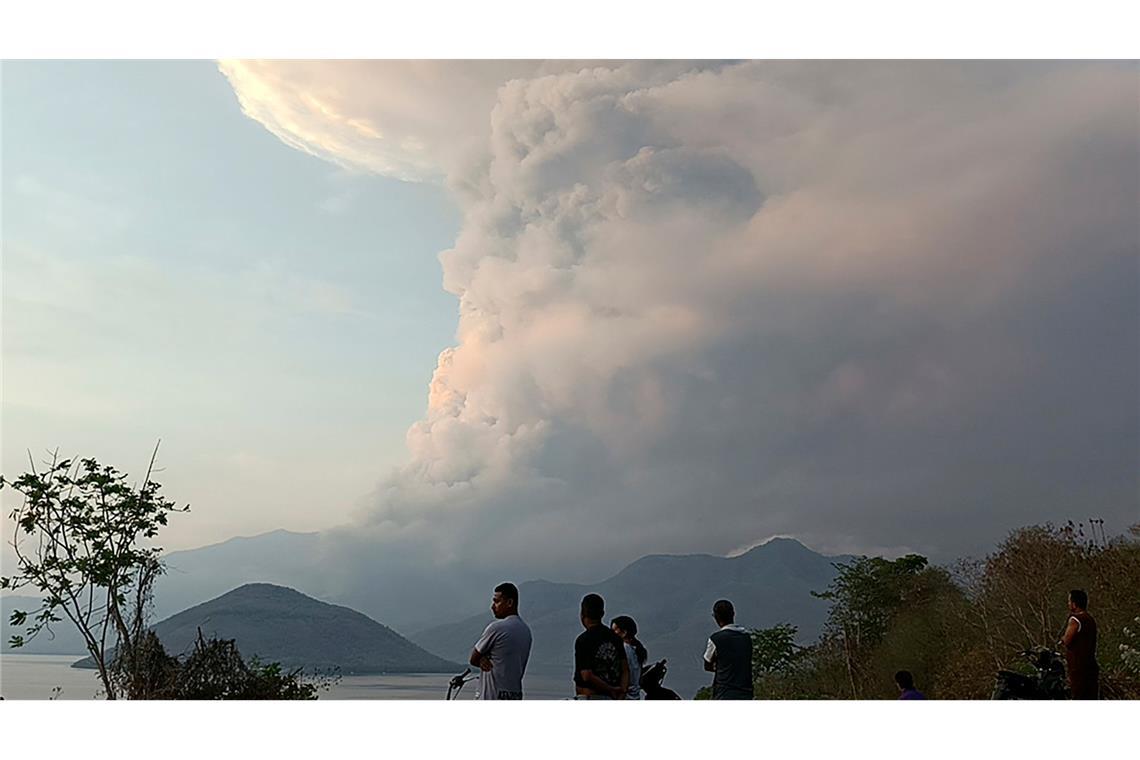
{"x":954,"y":627}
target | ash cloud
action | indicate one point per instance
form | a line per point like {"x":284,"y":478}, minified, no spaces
{"x":866,"y":304}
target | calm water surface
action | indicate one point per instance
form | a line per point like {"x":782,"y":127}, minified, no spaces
{"x":35,"y":676}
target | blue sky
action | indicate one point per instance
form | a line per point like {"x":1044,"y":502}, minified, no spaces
{"x":172,"y":270}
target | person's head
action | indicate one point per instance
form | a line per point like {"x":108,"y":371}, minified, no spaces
{"x":1078,"y":600}
{"x":505,"y":602}
{"x":904,"y":680}
{"x":624,"y":626}
{"x":723,"y":612}
{"x":593,"y":610}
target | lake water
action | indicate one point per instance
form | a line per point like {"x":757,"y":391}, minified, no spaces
{"x":35,"y":676}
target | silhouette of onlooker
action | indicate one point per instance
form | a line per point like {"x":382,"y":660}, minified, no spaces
{"x":1079,"y":642}
{"x":905,"y":681}
{"x":600,"y":669}
{"x":502,"y":651}
{"x":729,"y":655}
{"x":635,"y":652}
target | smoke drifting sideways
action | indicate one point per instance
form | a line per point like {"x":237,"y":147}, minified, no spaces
{"x":874,"y":305}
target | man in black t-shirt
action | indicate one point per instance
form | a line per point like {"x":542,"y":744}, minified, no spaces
{"x":600,"y":667}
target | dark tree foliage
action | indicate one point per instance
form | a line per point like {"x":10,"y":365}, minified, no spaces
{"x":213,"y":670}
{"x":216,"y":670}
{"x":148,"y":673}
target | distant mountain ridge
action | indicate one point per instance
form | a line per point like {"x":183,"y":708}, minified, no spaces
{"x":278,"y":624}
{"x":405,"y":598}
{"x":671,"y":598}
{"x":280,"y":557}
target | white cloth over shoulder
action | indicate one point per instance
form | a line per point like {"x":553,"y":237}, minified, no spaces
{"x":710,"y":650}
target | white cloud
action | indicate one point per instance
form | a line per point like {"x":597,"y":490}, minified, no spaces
{"x":412,"y":120}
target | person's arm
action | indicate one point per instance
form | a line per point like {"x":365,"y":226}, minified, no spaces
{"x":597,"y":685}
{"x":480,"y":654}
{"x":479,"y":660}
{"x":624,"y":676}
{"x":583,"y":662}
{"x":1071,"y":630}
{"x":710,"y":657}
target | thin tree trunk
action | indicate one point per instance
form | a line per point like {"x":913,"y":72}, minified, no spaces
{"x":850,"y":664}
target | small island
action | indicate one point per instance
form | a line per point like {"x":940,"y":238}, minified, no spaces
{"x":279,"y":624}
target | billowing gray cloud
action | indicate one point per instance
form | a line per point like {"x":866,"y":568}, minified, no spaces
{"x":867,"y":304}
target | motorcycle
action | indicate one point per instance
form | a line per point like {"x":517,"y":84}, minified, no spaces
{"x":1046,"y":682}
{"x":651,"y":682}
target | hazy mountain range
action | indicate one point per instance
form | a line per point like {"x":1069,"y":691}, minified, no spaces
{"x":406,"y":598}
{"x":670,"y":596}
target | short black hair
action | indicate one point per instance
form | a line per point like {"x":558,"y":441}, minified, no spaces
{"x":593,"y":607}
{"x":509,"y":591}
{"x":904,"y":679}
{"x":723,"y":611}
{"x":1080,"y":598}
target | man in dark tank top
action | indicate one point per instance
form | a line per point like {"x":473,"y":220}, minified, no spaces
{"x":729,"y":655}
{"x":1079,"y":643}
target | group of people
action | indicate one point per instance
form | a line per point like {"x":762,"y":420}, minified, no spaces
{"x":610,"y":661}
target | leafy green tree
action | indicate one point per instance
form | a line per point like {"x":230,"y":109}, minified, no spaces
{"x":925,"y":638}
{"x":865,"y":595}
{"x":783,"y":669}
{"x":81,"y":542}
{"x":774,"y":649}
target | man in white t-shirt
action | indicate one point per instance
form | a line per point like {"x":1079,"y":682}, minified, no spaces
{"x":502,"y":651}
